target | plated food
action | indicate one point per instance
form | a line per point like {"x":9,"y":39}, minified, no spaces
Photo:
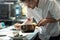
{"x":28,"y":27}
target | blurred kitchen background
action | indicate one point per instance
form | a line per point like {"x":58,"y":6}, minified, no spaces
{"x":11,"y":12}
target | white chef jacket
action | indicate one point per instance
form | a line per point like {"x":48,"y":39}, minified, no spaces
{"x":51,"y":29}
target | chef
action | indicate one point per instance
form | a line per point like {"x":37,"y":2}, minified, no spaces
{"x":45,"y":12}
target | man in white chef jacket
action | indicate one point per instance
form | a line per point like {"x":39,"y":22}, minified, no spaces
{"x":46,"y":15}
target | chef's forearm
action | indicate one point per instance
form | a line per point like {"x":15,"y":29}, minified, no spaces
{"x":51,"y":20}
{"x":28,"y":20}
{"x":59,"y":20}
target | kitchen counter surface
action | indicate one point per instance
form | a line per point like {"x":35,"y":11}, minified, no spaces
{"x":9,"y":33}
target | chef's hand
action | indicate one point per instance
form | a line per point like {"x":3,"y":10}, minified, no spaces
{"x":17,"y":26}
{"x":42,"y":22}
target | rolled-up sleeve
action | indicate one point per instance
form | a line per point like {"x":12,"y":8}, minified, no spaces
{"x":54,"y":10}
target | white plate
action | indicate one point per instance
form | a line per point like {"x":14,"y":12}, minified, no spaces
{"x":19,"y":37}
